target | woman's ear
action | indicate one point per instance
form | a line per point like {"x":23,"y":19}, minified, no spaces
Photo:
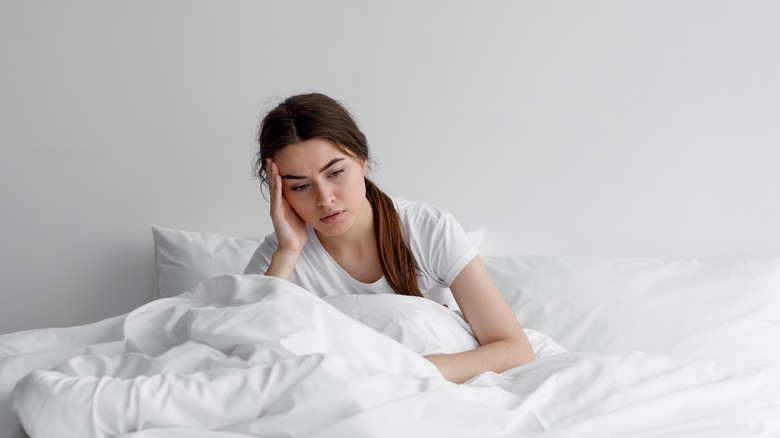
{"x":364,"y":166}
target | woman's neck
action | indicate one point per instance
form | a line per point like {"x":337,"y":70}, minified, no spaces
{"x":356,"y":250}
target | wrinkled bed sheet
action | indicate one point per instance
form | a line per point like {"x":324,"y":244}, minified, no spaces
{"x":258,"y":356}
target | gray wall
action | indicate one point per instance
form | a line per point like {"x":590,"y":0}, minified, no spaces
{"x":561,"y":127}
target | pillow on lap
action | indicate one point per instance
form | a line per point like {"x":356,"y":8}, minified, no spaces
{"x":422,"y":325}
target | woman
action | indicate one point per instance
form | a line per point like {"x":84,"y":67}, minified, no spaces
{"x":335,"y":232}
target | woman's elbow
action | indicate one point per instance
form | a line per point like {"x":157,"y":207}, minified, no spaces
{"x":521,"y":350}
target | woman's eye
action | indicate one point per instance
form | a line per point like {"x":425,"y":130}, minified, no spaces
{"x":299,"y":188}
{"x":336,"y":173}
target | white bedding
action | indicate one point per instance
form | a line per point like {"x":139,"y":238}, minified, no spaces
{"x":252,"y":355}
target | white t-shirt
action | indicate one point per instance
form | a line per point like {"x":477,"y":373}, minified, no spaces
{"x":440,"y":246}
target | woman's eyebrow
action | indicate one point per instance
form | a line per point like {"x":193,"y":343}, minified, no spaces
{"x":332,"y":162}
{"x":324,"y":168}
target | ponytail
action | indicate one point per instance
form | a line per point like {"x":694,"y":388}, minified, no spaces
{"x":394,"y":256}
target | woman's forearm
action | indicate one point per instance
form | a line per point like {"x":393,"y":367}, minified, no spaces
{"x":282,"y":264}
{"x":498,"y":357}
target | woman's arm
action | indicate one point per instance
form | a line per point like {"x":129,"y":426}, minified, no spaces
{"x":503,"y":344}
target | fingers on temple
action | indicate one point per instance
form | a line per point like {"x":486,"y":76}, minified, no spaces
{"x":271,"y":171}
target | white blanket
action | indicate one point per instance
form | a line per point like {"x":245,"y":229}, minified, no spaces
{"x":252,"y":355}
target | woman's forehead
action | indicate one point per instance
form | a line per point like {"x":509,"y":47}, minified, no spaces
{"x":310,"y":155}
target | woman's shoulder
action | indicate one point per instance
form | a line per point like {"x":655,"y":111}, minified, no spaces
{"x":409,"y":210}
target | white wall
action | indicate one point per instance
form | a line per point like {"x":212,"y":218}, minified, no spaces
{"x":562,"y":127}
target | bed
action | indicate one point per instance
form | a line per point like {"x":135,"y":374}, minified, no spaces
{"x":626,"y":347}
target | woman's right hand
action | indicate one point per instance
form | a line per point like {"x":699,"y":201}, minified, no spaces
{"x":289,"y":227}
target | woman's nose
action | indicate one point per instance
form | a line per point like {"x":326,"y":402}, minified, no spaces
{"x":324,"y":195}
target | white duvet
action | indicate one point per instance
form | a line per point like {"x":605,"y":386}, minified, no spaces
{"x":253,"y":355}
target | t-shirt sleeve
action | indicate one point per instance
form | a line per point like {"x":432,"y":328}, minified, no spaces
{"x":455,"y":249}
{"x":441,"y":247}
{"x":261,"y":259}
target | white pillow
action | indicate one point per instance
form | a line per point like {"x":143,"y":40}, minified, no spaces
{"x":185,"y":258}
{"x":721,"y":309}
{"x":422,"y":325}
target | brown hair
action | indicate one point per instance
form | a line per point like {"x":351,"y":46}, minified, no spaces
{"x":308,"y":116}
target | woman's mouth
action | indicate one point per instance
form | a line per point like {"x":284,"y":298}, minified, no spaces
{"x":332,"y":217}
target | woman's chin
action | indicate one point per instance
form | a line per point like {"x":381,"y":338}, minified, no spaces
{"x":330,"y":230}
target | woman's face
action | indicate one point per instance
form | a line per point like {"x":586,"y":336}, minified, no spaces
{"x":323,"y":184}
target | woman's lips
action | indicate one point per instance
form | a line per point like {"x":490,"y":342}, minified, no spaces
{"x":333,"y":217}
